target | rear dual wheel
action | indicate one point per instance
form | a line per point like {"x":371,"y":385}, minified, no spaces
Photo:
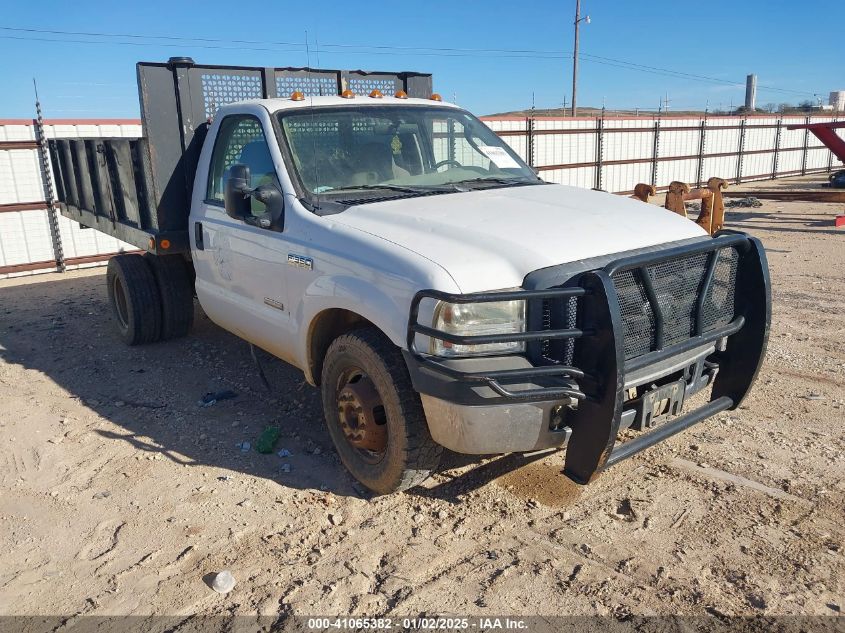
{"x":134,"y":298}
{"x":151,"y":297}
{"x":176,"y":293}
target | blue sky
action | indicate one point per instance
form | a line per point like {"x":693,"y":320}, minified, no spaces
{"x":797,"y":47}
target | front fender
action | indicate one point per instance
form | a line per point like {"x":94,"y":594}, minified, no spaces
{"x":384,"y":302}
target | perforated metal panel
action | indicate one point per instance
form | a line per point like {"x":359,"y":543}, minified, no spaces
{"x":677,"y":286}
{"x":362,"y":83}
{"x":312,"y":137}
{"x":559,"y":314}
{"x":247,"y":131}
{"x":720,"y":304}
{"x":637,"y":315}
{"x":309,"y":82}
{"x":220,"y":88}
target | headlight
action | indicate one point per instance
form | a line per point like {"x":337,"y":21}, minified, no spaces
{"x":475,"y":319}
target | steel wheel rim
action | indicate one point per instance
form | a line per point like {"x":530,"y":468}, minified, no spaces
{"x":361,"y":417}
{"x":121,"y":307}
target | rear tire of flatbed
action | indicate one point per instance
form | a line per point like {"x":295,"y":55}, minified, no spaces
{"x":175,"y":292}
{"x":134,"y":299}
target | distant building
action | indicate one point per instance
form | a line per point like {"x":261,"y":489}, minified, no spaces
{"x":837,"y":100}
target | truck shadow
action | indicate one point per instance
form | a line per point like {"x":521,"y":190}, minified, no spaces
{"x":152,"y":393}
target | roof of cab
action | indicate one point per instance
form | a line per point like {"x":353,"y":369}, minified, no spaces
{"x":275,"y":105}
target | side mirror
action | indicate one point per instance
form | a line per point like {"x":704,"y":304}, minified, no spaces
{"x":274,"y":202}
{"x":237,"y":190}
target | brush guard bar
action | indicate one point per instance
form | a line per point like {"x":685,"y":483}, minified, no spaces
{"x":494,"y":379}
{"x":596,"y":377}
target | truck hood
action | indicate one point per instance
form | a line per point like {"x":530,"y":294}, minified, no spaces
{"x":491,"y":239}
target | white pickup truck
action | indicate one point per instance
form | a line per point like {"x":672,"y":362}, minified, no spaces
{"x":406,"y":259}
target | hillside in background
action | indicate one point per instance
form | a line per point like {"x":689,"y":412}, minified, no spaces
{"x":592,"y":112}
{"x":596,"y":112}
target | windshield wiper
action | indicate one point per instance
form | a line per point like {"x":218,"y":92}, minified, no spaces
{"x":389,"y":187}
{"x":496,"y":180}
{"x":449,"y":187}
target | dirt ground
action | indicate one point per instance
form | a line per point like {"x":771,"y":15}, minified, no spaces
{"x":119,"y":494}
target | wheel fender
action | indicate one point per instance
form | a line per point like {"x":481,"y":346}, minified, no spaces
{"x":388,"y":312}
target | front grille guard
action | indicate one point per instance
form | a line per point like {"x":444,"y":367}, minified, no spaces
{"x":597,"y":376}
{"x":493,"y":379}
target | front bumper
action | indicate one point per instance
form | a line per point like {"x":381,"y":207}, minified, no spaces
{"x":510,"y":404}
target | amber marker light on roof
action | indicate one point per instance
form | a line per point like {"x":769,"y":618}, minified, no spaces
{"x":401,"y":94}
{"x":436,"y":97}
{"x":347,"y":94}
{"x":376,"y":94}
{"x":297,"y":96}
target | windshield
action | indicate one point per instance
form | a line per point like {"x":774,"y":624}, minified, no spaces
{"x":353,"y":154}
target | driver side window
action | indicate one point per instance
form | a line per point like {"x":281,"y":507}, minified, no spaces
{"x":240,"y":141}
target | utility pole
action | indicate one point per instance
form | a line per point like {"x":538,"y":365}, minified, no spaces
{"x":578,"y":20}
{"x":575,"y":60}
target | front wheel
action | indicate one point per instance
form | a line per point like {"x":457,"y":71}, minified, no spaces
{"x":374,"y":416}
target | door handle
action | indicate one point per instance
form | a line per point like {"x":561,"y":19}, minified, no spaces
{"x":198,"y":236}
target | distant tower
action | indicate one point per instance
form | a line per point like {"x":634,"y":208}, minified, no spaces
{"x":837,"y":100}
{"x":750,"y":92}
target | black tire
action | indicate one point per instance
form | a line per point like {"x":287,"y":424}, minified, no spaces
{"x":410,"y":455}
{"x":134,"y":298}
{"x":176,"y":292}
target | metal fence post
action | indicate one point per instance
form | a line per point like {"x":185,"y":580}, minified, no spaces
{"x":529,"y":127}
{"x":740,"y":150}
{"x":655,"y":152}
{"x":777,"y":148}
{"x":702,"y":135}
{"x":806,"y":144}
{"x":49,"y":192}
{"x":450,"y":130}
{"x":599,"y":151}
{"x":830,"y":153}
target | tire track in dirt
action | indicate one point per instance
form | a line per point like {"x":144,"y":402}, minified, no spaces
{"x":102,"y":541}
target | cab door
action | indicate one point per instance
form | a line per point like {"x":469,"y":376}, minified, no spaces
{"x":241,"y":268}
